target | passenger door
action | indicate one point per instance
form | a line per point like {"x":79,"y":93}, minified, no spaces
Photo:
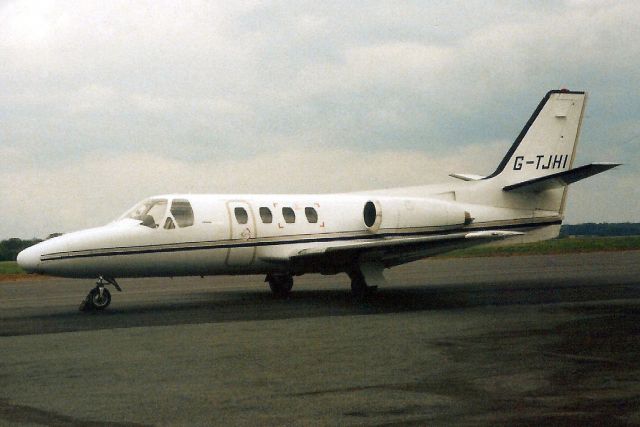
{"x":242,"y":233}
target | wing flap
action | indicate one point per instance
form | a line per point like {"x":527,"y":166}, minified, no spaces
{"x":397,"y":242}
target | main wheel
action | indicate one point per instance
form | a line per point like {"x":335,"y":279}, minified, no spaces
{"x":280,"y":285}
{"x":359,"y":288}
{"x":98,"y":301}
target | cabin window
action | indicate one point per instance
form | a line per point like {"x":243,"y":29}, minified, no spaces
{"x":289,"y":215}
{"x":169,"y":224}
{"x":182,"y":212}
{"x":265,"y":215}
{"x":312,"y":215}
{"x":241,"y":215}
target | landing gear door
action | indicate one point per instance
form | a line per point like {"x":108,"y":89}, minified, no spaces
{"x":242,"y":234}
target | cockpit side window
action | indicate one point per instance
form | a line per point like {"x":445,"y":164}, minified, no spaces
{"x":168,"y":224}
{"x":182,"y":212}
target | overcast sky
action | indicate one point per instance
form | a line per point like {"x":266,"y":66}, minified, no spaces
{"x":105,"y":103}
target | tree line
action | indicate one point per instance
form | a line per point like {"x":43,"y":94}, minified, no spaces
{"x":601,"y":229}
{"x":10,"y":248}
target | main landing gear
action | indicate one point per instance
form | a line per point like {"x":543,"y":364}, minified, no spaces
{"x":280,"y":284}
{"x":365,"y":279}
{"x":359,"y":288}
{"x":99,"y":297}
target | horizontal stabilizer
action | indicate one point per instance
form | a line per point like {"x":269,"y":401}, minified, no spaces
{"x":560,"y":179}
{"x":466,"y":176}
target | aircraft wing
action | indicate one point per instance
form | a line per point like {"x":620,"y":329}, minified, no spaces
{"x":389,"y":251}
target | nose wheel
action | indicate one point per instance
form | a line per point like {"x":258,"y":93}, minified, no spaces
{"x":99,"y":297}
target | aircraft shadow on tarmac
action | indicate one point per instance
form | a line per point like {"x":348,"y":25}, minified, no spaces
{"x":228,"y":306}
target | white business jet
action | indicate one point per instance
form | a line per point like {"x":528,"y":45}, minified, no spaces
{"x":360,"y":234}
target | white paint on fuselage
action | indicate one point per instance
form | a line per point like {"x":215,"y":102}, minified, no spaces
{"x":217,"y":244}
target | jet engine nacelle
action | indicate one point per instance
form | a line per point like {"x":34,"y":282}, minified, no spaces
{"x":412,"y":213}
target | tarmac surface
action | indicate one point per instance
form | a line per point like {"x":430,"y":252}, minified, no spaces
{"x":524,"y":340}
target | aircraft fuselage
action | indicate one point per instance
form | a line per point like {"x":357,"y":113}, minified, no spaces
{"x":236,"y":234}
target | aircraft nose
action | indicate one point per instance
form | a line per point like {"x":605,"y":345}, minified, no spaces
{"x":29,"y":259}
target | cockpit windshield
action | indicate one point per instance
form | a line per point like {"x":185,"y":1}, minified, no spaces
{"x":151,"y":212}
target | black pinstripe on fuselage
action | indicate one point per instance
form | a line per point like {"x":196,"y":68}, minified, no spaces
{"x":518,"y":225}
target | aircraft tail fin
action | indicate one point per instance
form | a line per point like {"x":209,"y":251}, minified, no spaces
{"x":537,"y":169}
{"x":547,"y":143}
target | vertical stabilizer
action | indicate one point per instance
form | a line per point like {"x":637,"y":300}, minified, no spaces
{"x":547,"y":143}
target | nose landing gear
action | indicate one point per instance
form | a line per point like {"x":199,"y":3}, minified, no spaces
{"x":99,"y":297}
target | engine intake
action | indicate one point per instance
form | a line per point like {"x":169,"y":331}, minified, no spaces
{"x":372,"y":216}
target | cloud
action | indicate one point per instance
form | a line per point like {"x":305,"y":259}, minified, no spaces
{"x":120,"y":93}
{"x":97,"y":189}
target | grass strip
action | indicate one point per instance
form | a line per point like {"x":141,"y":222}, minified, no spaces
{"x":555,"y":246}
{"x":10,"y":267}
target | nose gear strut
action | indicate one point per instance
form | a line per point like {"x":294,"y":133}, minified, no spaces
{"x":99,"y":297}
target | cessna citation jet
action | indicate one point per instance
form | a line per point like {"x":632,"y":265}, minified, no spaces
{"x":361,"y":234}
